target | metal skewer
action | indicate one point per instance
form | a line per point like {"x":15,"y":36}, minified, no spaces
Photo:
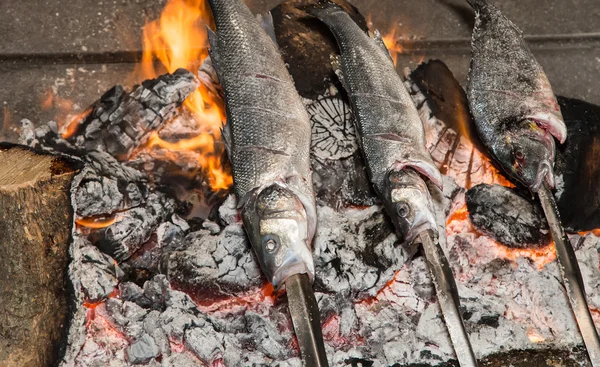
{"x":447,"y":294}
{"x":307,"y":320}
{"x":572,"y":280}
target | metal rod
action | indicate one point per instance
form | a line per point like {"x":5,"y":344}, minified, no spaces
{"x":572,"y":280}
{"x":307,"y":320}
{"x":447,"y":294}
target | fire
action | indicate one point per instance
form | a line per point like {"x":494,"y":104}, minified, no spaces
{"x":178,"y":39}
{"x":393,"y":45}
{"x":96,"y":223}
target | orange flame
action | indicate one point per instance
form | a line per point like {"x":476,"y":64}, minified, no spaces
{"x":393,"y":45}
{"x":96,"y":223}
{"x":178,"y":39}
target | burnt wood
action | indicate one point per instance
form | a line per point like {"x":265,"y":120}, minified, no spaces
{"x":35,"y":230}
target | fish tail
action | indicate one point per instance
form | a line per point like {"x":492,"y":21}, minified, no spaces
{"x":323,"y":9}
{"x":481,"y":6}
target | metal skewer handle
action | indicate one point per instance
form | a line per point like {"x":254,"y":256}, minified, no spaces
{"x":447,"y":294}
{"x":307,"y":320}
{"x":572,"y":280}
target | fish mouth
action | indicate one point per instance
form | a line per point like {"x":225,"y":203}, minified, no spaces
{"x":422,"y":223}
{"x":545,"y":174}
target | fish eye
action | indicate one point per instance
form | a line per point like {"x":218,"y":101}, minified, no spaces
{"x":402,"y":209}
{"x":271,"y":243}
{"x":519,"y":155}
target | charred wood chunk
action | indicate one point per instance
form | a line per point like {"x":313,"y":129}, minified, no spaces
{"x":35,"y":231}
{"x":119,"y":122}
{"x":306,"y":45}
{"x":446,"y":98}
{"x":107,"y":186}
{"x":133,"y":227}
{"x":507,"y":217}
{"x":214,"y":267}
{"x":340,"y":177}
{"x":578,"y":166}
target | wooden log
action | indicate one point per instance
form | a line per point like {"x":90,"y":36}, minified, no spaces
{"x":36,"y":219}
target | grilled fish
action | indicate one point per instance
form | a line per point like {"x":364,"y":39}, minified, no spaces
{"x":268,"y":139}
{"x":388,"y":123}
{"x":393,"y":143}
{"x":516,"y":113}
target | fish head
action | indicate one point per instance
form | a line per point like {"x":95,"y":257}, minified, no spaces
{"x":526,"y":151}
{"x":408,"y":203}
{"x":277,"y":226}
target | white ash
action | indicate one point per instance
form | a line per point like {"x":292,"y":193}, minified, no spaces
{"x":333,"y":133}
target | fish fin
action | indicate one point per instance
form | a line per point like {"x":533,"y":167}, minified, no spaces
{"x":425,"y":168}
{"x":213,"y":51}
{"x":379,"y":41}
{"x":227,"y":139}
{"x":266,"y":22}
{"x":336,"y":64}
{"x":551,"y":123}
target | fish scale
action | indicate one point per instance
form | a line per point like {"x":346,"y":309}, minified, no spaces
{"x":268,"y":135}
{"x":388,"y":122}
{"x":263,"y":107}
{"x":517,"y":118}
{"x":393,"y":144}
{"x":507,"y":87}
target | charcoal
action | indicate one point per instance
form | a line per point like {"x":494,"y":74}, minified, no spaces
{"x":215,"y":266}
{"x":181,"y":360}
{"x":156,"y":291}
{"x":506,"y":216}
{"x":98,"y":274}
{"x":142,"y":350}
{"x":119,"y":122}
{"x":98,"y":197}
{"x":306,"y":45}
{"x":333,"y":134}
{"x":202,"y":340}
{"x":577,"y":166}
{"x":355,"y":251}
{"x":145,"y":263}
{"x":339,"y":173}
{"x":107,"y":186}
{"x":132,"y":292}
{"x":152,"y":326}
{"x":133,"y":228}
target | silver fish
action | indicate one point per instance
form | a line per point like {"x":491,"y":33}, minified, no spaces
{"x":388,"y":123}
{"x":515,"y":110}
{"x":268,"y":138}
{"x":517,"y":117}
{"x":393,"y":144}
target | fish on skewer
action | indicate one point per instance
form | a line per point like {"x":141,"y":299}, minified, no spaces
{"x":517,"y":118}
{"x":392,"y":139}
{"x":268,"y":141}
